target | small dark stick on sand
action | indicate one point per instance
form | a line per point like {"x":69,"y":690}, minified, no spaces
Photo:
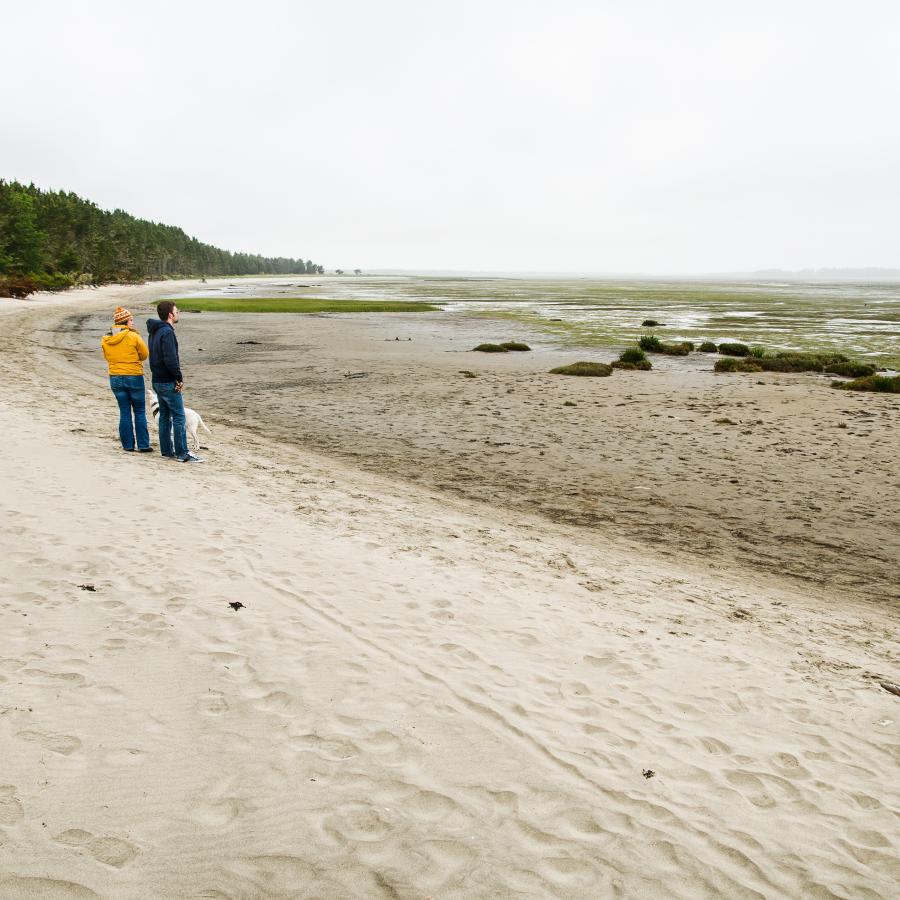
{"x":87,"y":587}
{"x":236,"y":605}
{"x":890,"y":688}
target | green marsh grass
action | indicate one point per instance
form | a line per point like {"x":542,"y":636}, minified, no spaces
{"x":650,"y":343}
{"x":633,"y":358}
{"x":728,"y":349}
{"x":737,"y":364}
{"x":299,"y":305}
{"x":880,"y":383}
{"x":584,"y":369}
{"x":829,"y":363}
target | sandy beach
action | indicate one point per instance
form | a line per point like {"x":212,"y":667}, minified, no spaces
{"x":490,"y":645}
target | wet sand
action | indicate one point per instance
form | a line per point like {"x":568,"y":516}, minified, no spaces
{"x":778,"y":473}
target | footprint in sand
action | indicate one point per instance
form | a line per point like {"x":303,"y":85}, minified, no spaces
{"x":216,"y":812}
{"x":115,"y":644}
{"x":715,"y":746}
{"x":751,"y":788}
{"x":15,"y":888}
{"x":45,"y":677}
{"x":352,"y":823}
{"x":110,"y":851}
{"x":111,"y":604}
{"x":382,"y":742}
{"x":330,"y":749}
{"x":10,"y":807}
{"x":63,"y":744}
{"x":213,"y":704}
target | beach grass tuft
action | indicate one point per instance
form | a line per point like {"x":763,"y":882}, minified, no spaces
{"x":651,"y":343}
{"x":728,"y":349}
{"x":733,"y":364}
{"x":708,"y":347}
{"x":299,"y":305}
{"x":490,"y":348}
{"x":683,"y":348}
{"x":885,"y":384}
{"x":586,"y":369}
{"x":832,"y":363}
{"x":515,"y":345}
{"x":633,"y":358}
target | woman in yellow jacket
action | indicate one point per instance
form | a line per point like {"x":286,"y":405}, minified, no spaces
{"x":125,"y":351}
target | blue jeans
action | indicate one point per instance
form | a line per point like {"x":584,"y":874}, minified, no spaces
{"x":129,"y":391}
{"x":171,"y":420}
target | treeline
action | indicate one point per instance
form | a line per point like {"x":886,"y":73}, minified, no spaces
{"x":51,"y":240}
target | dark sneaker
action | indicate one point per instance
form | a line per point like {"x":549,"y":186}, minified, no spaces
{"x":168,"y":456}
{"x":128,"y":449}
{"x":190,"y":458}
{"x":145,"y":449}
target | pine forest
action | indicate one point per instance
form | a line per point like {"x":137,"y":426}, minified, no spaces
{"x":52,"y":240}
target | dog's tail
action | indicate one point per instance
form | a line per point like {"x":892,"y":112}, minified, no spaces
{"x":203,"y":426}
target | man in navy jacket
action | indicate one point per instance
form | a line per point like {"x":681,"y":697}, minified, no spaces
{"x":168,"y":382}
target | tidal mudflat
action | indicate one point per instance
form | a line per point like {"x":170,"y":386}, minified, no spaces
{"x":859,"y":319}
{"x":775,"y":471}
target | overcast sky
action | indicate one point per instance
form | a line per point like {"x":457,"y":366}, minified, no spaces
{"x":674,"y":136}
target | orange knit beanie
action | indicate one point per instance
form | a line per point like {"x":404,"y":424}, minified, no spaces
{"x":121,"y":316}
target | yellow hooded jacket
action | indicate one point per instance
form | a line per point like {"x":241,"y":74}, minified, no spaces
{"x":125,"y":351}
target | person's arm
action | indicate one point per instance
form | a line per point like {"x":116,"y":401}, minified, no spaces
{"x":170,"y":355}
{"x":142,"y":350}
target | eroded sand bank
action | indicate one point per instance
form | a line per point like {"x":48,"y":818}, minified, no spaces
{"x":422,"y":695}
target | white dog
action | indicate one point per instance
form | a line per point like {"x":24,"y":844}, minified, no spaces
{"x":192,"y":421}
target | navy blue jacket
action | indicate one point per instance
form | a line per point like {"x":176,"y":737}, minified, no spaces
{"x":163,"y":344}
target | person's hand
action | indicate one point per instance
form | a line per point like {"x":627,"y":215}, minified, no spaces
{"x":179,"y":387}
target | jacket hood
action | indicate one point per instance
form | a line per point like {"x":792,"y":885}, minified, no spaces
{"x":155,"y":324}
{"x":115,"y":337}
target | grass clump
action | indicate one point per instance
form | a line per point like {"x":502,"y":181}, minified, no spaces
{"x":884,"y":384}
{"x":850,"y":369}
{"x":587,"y":369}
{"x":833,"y":363}
{"x":490,"y":348}
{"x":633,"y":358}
{"x":734,"y":349}
{"x":795,"y":361}
{"x":515,"y":345}
{"x":708,"y":347}
{"x":681,"y":349}
{"x":732,"y":364}
{"x":650,"y":323}
{"x":650,"y":343}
